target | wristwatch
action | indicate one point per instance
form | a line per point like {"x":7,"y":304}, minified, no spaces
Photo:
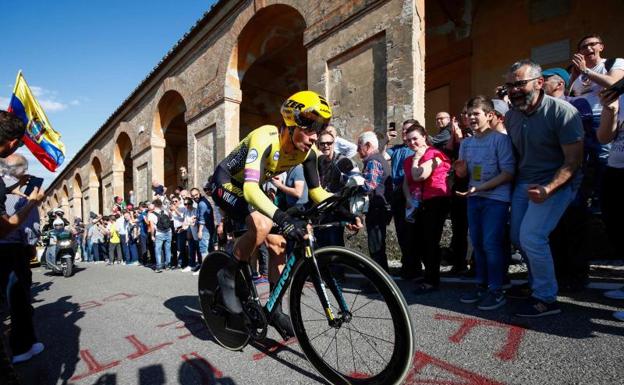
{"x":586,"y":71}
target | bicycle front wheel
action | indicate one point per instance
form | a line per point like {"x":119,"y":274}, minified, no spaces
{"x":372,"y":342}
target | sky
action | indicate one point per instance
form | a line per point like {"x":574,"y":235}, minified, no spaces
{"x":82,"y":59}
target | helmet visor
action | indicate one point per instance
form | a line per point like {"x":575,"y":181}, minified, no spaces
{"x":310,"y":122}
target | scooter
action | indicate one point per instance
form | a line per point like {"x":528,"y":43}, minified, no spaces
{"x":62,"y":262}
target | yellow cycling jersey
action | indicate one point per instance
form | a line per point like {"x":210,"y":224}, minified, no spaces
{"x":256,"y":159}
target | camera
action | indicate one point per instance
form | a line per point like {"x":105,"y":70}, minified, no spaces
{"x":501,"y":92}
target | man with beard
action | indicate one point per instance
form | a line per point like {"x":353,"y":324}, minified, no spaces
{"x":547,"y":135}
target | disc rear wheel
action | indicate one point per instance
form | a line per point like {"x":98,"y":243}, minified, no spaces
{"x":229,"y":330}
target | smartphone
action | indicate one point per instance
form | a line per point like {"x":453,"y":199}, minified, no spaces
{"x":33,"y":182}
{"x":392,"y":126}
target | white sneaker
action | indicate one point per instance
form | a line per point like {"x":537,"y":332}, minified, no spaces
{"x":187,"y":269}
{"x":615,"y":294}
{"x":196,"y":273}
{"x":34,"y":350}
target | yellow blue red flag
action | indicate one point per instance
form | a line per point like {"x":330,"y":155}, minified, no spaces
{"x":40,"y":137}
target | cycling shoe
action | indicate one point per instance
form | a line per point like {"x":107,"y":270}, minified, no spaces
{"x":281,"y":323}
{"x":227,"y":282}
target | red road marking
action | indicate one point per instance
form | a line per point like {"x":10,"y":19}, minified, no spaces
{"x":515,"y":334}
{"x":422,"y":360}
{"x":141,"y":348}
{"x":118,"y":297}
{"x":202,"y":368}
{"x":274,"y":348}
{"x":93,"y":366}
{"x":89,"y":305}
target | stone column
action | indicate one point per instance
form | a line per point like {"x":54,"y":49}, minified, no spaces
{"x":118,"y":180}
{"x":158,"y":159}
{"x":94,"y":199}
{"x":77,"y":201}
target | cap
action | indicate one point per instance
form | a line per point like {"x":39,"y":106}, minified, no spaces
{"x":500,"y":106}
{"x":563,"y":74}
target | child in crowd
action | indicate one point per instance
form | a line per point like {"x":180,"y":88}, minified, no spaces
{"x":487,"y":159}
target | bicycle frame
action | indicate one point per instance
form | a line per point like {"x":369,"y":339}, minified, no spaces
{"x":307,"y":249}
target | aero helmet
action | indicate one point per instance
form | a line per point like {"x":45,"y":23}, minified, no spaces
{"x":308,"y":110}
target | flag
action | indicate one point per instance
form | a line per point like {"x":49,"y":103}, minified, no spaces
{"x":40,"y":138}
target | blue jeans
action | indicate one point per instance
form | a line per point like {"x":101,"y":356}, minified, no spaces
{"x":205,"y":243}
{"x":531,"y":225}
{"x":133,"y":251}
{"x":487,"y":220}
{"x":88,"y":253}
{"x":163,"y":240}
{"x":125,"y":252}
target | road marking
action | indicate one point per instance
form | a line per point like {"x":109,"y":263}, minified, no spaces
{"x":93,"y":366}
{"x":515,"y":334}
{"x":141,"y":348}
{"x":423,"y":360}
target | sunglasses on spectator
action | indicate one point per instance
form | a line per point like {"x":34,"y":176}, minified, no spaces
{"x":520,"y":83}
{"x":589,"y":44}
{"x":322,"y":144}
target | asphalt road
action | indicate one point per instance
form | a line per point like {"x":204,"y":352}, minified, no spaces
{"x":127,"y":325}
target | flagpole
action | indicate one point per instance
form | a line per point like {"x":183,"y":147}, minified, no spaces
{"x":19,"y":74}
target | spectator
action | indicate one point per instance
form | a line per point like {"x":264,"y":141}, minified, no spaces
{"x":177,"y":213}
{"x":17,"y":247}
{"x":205,"y":225}
{"x":342,"y":146}
{"x":121,"y":224}
{"x":132,"y":238}
{"x":131,"y":198}
{"x":376,"y":172}
{"x":144,"y":234}
{"x":78,"y":234}
{"x":114,"y":240}
{"x":445,"y":130}
{"x":591,"y":73}
{"x":182,"y":179}
{"x":293,"y":189}
{"x":547,"y":135}
{"x":332,"y":180}
{"x":568,"y":240}
{"x":88,"y":256}
{"x":96,"y":237}
{"x":428,"y":169}
{"x":190,"y":224}
{"x":161,"y":222}
{"x":498,"y":119}
{"x":487,"y":159}
{"x":611,"y":130}
{"x":411,"y":267}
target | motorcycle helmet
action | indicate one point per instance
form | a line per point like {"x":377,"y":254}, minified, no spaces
{"x":308,"y":110}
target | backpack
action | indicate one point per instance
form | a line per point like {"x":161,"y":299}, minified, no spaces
{"x":164,"y":222}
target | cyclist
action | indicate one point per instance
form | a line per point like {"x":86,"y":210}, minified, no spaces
{"x":265,"y":152}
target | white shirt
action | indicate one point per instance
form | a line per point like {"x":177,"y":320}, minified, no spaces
{"x":178,"y":219}
{"x":582,"y":86}
{"x":344,"y":147}
{"x":120,"y":223}
{"x":190,"y":222}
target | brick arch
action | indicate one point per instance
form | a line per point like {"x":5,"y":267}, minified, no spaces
{"x":124,"y":128}
{"x":229,"y":64}
{"x":169,"y":85}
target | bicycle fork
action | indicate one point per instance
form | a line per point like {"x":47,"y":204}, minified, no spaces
{"x":334,"y":287}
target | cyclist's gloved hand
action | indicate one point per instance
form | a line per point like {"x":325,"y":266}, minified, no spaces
{"x":291,"y":227}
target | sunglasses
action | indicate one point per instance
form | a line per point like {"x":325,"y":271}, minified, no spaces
{"x":590,"y":44}
{"x":309,"y":122}
{"x":323,"y":144}
{"x":520,"y":83}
